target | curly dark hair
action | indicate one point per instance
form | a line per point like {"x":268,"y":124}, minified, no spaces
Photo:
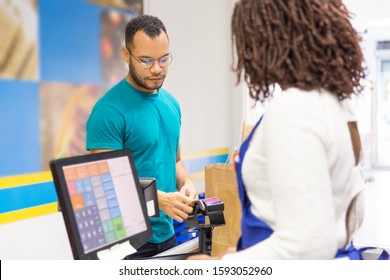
{"x":151,"y":25}
{"x":308,"y":44}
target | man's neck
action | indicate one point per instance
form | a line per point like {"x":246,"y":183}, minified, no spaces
{"x":133,"y":84}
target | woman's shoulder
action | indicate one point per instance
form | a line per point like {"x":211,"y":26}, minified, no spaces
{"x":297,"y":101}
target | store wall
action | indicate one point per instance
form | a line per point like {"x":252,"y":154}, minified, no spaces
{"x":70,"y":72}
{"x":72,"y":67}
{"x":373,"y":24}
{"x":51,"y":72}
{"x":200,"y":75}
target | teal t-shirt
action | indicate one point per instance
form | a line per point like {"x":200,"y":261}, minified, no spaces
{"x":148,"y":125}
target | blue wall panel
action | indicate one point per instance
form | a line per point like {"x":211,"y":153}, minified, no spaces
{"x":196,"y":165}
{"x":69,"y":41}
{"x":19,"y":127}
{"x":17,"y":198}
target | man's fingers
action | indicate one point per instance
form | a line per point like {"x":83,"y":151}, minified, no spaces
{"x":177,"y":218}
{"x":186,"y":208}
{"x":180,"y":216}
{"x":179,"y":206}
{"x":184,"y":203}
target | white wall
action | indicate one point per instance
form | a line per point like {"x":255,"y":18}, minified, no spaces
{"x":373,"y":22}
{"x":200,"y":75}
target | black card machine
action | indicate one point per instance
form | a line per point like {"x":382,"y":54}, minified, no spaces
{"x":212,"y":208}
{"x":149,"y":188}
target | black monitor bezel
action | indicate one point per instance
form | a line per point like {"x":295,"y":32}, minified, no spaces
{"x":64,"y":201}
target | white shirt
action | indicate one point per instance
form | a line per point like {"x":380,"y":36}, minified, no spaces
{"x":300,"y":177}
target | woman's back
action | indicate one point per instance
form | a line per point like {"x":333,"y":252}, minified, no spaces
{"x":298,"y":173}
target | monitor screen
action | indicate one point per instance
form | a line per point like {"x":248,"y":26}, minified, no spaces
{"x":102,"y":202}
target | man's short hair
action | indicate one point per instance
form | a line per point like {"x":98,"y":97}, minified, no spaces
{"x":151,"y":25}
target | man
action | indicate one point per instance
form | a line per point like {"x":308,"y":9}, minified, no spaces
{"x":140,"y":115}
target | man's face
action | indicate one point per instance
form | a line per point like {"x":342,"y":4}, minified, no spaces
{"x":142,"y":50}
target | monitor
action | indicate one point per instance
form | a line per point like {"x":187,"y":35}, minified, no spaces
{"x":102,"y":202}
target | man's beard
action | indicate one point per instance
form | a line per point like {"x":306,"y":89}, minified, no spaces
{"x":141,"y":82}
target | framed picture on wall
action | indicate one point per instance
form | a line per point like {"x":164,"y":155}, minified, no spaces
{"x":19,"y":40}
{"x":112,"y":34}
{"x":134,"y":6}
{"x":65,"y":109}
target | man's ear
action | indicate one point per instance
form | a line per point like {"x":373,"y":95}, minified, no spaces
{"x":126,"y":55}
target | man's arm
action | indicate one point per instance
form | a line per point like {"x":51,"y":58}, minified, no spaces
{"x":184,"y":184}
{"x":95,"y":151}
{"x":179,"y":204}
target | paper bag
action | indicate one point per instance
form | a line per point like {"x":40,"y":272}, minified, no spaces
{"x":246,"y":130}
{"x":220,"y":181}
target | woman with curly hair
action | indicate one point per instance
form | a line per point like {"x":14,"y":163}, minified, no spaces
{"x":299,"y":171}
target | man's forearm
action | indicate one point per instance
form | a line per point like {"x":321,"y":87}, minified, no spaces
{"x":182,"y":175}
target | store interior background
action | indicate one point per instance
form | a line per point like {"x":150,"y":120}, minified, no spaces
{"x":70,"y":69}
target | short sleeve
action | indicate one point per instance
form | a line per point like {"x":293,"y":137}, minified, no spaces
{"x":105,"y":129}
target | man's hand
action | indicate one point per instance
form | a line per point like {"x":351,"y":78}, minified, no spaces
{"x":176,"y":205}
{"x":189,"y":189}
{"x":202,"y":257}
{"x":207,"y":257}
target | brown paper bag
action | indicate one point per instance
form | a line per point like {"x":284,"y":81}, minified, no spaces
{"x":246,"y":130}
{"x":220,"y":181}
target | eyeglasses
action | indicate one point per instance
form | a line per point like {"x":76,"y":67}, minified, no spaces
{"x":147,"y":63}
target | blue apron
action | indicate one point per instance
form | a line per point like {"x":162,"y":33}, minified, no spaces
{"x":254,"y":230}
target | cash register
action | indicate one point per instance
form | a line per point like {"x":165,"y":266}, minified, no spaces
{"x":106,"y":208}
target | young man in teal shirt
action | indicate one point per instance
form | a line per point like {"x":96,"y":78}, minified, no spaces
{"x":140,"y":115}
